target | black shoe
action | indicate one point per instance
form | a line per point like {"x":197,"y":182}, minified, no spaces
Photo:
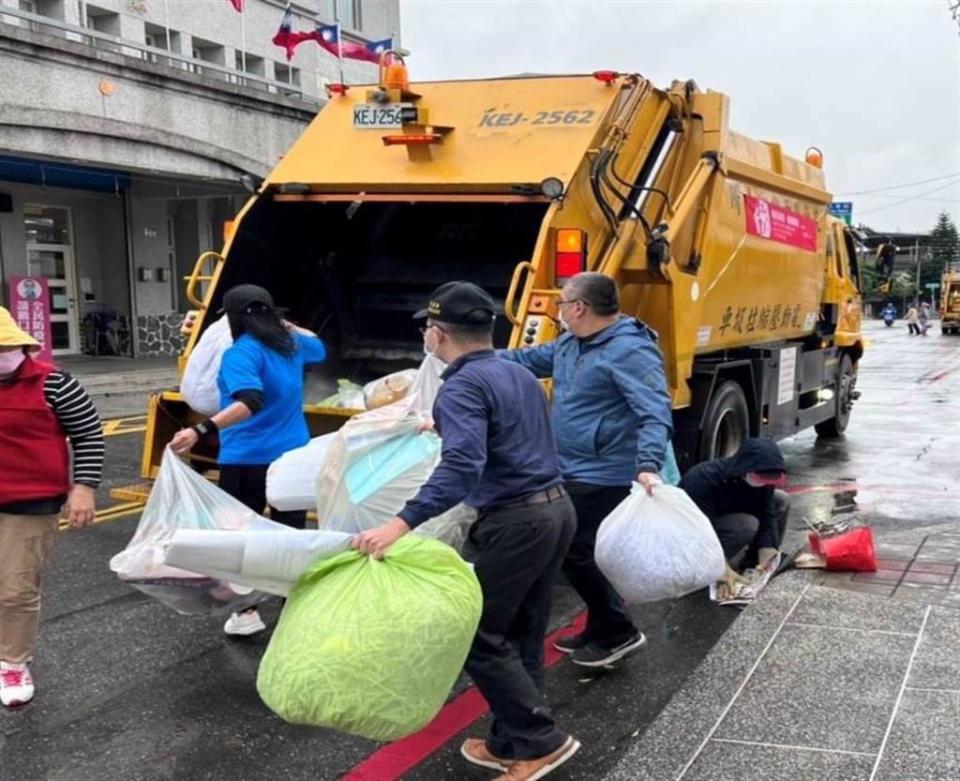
{"x":571,"y":643}
{"x":594,"y":655}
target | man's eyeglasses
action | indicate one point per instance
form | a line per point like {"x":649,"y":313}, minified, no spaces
{"x":425,"y":328}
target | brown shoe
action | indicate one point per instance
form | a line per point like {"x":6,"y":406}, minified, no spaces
{"x":532,"y":769}
{"x":475,"y":751}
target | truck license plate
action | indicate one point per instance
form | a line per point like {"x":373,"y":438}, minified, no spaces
{"x":370,"y":116}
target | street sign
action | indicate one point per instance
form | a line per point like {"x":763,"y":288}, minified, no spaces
{"x":843,"y":210}
{"x":932,"y":285}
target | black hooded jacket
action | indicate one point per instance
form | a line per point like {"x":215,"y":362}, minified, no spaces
{"x":717,"y":487}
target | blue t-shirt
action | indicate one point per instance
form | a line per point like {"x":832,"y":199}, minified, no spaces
{"x":279,"y":426}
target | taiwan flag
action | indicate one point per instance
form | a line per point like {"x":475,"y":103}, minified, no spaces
{"x":285,"y":36}
{"x":328,"y":37}
{"x":369,"y":52}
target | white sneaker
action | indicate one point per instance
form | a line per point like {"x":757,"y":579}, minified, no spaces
{"x":244,"y":624}
{"x":16,"y":684}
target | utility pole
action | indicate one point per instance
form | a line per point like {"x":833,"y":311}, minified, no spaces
{"x":916,"y":252}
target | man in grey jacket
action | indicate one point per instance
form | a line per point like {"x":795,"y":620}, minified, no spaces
{"x":613,"y":424}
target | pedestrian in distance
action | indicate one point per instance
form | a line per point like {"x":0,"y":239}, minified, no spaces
{"x":498,"y":454}
{"x":261,"y":415}
{"x":924,"y":318}
{"x":742,"y":498}
{"x":612,"y":419}
{"x":913,"y":319}
{"x":42,"y":409}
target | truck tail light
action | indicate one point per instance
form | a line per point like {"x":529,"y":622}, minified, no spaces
{"x":412,"y":139}
{"x":570,"y":253}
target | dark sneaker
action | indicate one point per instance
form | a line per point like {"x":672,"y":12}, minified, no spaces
{"x":594,"y":655}
{"x":571,"y":643}
{"x":534,"y":769}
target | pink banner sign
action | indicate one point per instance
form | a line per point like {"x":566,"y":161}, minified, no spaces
{"x":769,"y":221}
{"x":30,"y":307}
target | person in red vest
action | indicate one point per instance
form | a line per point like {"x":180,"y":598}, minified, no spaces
{"x":41,"y":408}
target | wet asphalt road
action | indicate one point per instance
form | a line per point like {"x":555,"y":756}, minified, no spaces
{"x":128,"y":689}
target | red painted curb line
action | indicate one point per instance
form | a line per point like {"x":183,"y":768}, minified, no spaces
{"x":395,"y":759}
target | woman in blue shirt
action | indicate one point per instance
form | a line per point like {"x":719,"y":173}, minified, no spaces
{"x":261,"y":408}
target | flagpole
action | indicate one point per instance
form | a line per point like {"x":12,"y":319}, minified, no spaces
{"x":243,"y":39}
{"x":340,"y":51}
{"x":166,"y":26}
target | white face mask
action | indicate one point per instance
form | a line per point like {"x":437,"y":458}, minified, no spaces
{"x":10,"y":361}
{"x":563,"y":323}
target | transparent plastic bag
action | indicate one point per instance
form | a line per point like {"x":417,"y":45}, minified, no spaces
{"x":199,"y":384}
{"x":389,"y":389}
{"x":658,"y":547}
{"x":183,"y":499}
{"x":292,"y":478}
{"x":380,"y":459}
{"x":369,"y":647}
{"x":350,"y":395}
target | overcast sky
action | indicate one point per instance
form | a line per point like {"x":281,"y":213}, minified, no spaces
{"x":875,"y":85}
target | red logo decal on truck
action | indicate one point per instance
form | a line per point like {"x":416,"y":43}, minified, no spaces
{"x":769,"y":221}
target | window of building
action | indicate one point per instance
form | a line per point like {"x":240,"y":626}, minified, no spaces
{"x":208,"y":51}
{"x":160,"y":38}
{"x":348,"y":14}
{"x":52,"y":9}
{"x":254,"y":65}
{"x":102,"y":20}
{"x":288,"y":75}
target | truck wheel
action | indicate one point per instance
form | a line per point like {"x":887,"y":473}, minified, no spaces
{"x":726,"y":424}
{"x":843,"y":399}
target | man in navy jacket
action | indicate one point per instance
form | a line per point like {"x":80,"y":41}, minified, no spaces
{"x":613,"y":424}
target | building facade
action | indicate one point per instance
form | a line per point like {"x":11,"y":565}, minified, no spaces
{"x":127,"y":128}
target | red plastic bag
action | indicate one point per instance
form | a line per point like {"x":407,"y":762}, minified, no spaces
{"x":849,"y":551}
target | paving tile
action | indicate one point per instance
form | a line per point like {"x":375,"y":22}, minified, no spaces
{"x":926,"y":578}
{"x":935,"y":567}
{"x":893,"y":564}
{"x":925,"y":739}
{"x":833,"y":689}
{"x":895,"y":551}
{"x":761,"y":763}
{"x":676,"y":734}
{"x":938,"y":555}
{"x":880,"y":576}
{"x":877,"y":589}
{"x":937,"y":663}
{"x":830,"y":607}
{"x":919,"y":593}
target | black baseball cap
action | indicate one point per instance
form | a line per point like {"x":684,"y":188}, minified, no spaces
{"x":238,"y":300}
{"x":460,"y":303}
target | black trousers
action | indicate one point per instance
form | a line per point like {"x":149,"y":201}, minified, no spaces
{"x":248,"y":484}
{"x":737,"y":531}
{"x":608,"y":623}
{"x":517,"y":553}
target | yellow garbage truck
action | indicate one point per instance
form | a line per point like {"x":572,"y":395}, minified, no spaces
{"x":950,"y":299}
{"x":721,"y":243}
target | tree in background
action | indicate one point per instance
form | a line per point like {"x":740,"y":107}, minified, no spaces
{"x":944,"y":242}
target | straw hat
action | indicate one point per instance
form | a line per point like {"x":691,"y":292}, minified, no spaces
{"x":11,"y":335}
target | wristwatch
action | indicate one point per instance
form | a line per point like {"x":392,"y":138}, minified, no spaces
{"x":205,"y":427}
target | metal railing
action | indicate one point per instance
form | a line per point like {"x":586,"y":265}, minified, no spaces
{"x":154,"y":55}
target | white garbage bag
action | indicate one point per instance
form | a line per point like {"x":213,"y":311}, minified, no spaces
{"x":199,"y":384}
{"x":270,"y":561}
{"x":292,"y":478}
{"x":658,"y":547}
{"x":183,"y":499}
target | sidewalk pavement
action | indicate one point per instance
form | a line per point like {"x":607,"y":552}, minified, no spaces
{"x":816,"y":681}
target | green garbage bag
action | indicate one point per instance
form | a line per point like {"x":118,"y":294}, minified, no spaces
{"x":373,"y":647}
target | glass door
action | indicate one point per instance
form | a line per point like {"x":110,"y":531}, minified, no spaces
{"x":50,"y":255}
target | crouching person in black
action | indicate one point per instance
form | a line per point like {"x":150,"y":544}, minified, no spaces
{"x":742,"y":498}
